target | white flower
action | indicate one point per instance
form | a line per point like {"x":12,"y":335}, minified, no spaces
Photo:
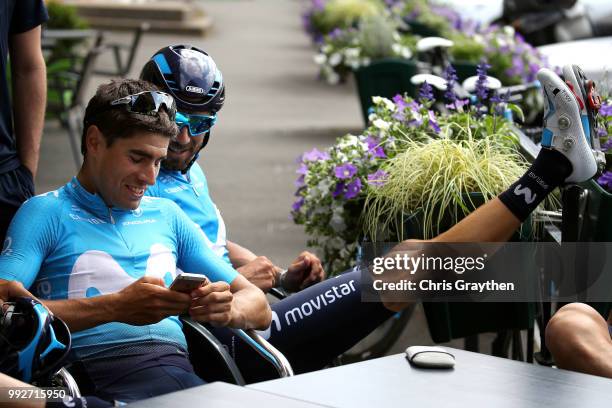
{"x":372,"y":116}
{"x":324,"y":186}
{"x":377,"y":100}
{"x":320,"y":59}
{"x":330,"y":75}
{"x":354,"y":64}
{"x":388,"y":104}
{"x":335,"y":59}
{"x":381,"y":124}
{"x":326,"y":49}
{"x":396,"y":48}
{"x":406,"y":53}
{"x":509,"y":31}
{"x":478,"y":38}
{"x":352,"y":52}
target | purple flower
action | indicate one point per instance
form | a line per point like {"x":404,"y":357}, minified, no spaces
{"x":533,"y":70}
{"x":400,"y":102}
{"x":499,"y":102}
{"x":299,"y":183}
{"x":302,"y":169}
{"x":339,"y":190}
{"x":459,"y":103}
{"x":371,"y":141}
{"x":433,"y":123}
{"x":607,"y":145}
{"x":399,"y":116}
{"x":345,"y":171}
{"x":378,"y":178}
{"x":426,"y":92}
{"x":315,"y":155}
{"x":335,"y":34}
{"x":418,"y":121}
{"x":605,"y":110}
{"x":606,"y":179}
{"x":374,"y":147}
{"x":451,"y":78}
{"x":298,"y":204}
{"x":318,"y":5}
{"x":481,"y":88}
{"x":602,"y":132}
{"x":353,"y":189}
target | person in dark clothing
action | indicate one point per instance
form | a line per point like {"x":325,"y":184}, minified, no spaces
{"x":22,"y":113}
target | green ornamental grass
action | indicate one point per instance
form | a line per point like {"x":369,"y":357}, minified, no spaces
{"x":434,"y":178}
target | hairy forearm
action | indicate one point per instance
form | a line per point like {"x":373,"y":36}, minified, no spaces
{"x":29,"y":96}
{"x":239,"y":255}
{"x":252,"y":311}
{"x":81,"y":314}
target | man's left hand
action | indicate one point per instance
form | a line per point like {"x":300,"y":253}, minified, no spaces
{"x":213,"y":303}
{"x":304,"y":271}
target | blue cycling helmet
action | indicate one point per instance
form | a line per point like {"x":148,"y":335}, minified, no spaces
{"x":33,"y":343}
{"x":190,"y":75}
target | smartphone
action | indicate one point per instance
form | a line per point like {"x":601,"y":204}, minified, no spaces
{"x":187,"y":282}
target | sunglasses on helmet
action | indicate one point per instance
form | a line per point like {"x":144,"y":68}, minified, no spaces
{"x":148,"y":103}
{"x":197,"y":124}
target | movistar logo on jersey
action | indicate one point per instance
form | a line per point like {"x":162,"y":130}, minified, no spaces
{"x":195,"y":89}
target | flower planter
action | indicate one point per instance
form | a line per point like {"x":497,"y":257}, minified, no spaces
{"x":447,"y":321}
{"x":387,"y":78}
{"x":597,"y":223}
{"x":422,"y":30}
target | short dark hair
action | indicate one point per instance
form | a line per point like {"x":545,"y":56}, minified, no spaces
{"x":119,"y":123}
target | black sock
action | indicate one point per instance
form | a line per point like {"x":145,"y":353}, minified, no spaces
{"x":547,"y":172}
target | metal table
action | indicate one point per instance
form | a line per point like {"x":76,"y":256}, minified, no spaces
{"x":477,"y":380}
{"x":221,"y":395}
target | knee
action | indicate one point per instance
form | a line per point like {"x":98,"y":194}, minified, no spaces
{"x":570,"y":326}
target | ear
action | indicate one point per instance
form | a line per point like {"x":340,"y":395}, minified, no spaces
{"x":94,"y":140}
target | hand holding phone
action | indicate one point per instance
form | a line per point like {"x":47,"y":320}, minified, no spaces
{"x":188,"y":282}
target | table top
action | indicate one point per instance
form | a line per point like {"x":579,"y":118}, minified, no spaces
{"x":221,"y":395}
{"x":477,"y":380}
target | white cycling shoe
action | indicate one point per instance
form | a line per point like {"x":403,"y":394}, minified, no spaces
{"x":563,"y":127}
{"x":589,"y":100}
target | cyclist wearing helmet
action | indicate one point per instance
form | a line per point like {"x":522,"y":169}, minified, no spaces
{"x":192,"y":77}
{"x":100,"y":255}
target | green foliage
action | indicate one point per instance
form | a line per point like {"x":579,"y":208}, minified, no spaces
{"x":63,"y":16}
{"x":434,"y":178}
{"x":466,"y":49}
{"x":345,"y":13}
{"x":377,"y":36}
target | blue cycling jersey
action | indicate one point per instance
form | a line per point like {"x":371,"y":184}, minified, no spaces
{"x":67,"y":244}
{"x":190,"y":192}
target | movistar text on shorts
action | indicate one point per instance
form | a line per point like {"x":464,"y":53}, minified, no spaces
{"x":412,"y":264}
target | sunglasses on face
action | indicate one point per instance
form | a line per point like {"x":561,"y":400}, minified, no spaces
{"x":148,"y":103}
{"x":197,"y":124}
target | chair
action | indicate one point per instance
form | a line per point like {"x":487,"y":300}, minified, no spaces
{"x":386,"y":78}
{"x":204,"y":346}
{"x":124,"y":64}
